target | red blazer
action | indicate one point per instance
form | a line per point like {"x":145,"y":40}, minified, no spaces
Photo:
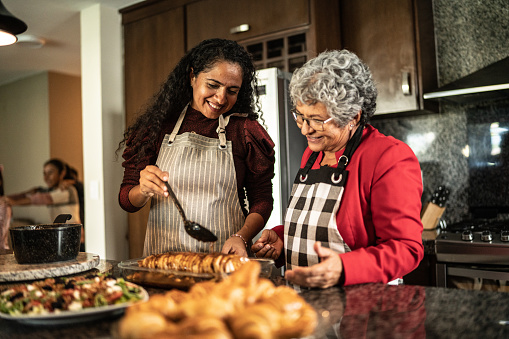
{"x":379,"y":216}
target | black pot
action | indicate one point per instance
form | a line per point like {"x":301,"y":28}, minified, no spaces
{"x":46,"y":243}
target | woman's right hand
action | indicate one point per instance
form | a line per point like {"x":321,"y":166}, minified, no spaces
{"x":268,"y":246}
{"x":151,"y":183}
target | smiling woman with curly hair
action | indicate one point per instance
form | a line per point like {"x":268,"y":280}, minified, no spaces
{"x":201,"y":135}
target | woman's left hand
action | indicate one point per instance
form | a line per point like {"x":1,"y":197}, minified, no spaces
{"x":234,"y":245}
{"x":324,"y":274}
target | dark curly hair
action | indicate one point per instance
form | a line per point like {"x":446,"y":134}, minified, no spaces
{"x":176,"y":92}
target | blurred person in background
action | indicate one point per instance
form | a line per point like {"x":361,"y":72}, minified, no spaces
{"x":59,"y":197}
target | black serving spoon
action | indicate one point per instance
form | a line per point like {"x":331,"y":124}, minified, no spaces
{"x":193,"y":229}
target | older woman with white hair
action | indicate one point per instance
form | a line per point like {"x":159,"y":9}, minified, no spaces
{"x":354,"y":212}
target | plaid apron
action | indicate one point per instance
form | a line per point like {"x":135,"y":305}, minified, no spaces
{"x":202,"y":175}
{"x":314,"y":202}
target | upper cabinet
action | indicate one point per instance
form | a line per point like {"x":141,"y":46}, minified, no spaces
{"x":281,"y":33}
{"x":395,"y":38}
{"x":151,"y":50}
{"x":243,"y":19}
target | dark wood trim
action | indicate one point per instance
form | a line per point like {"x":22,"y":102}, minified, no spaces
{"x":149,"y":8}
{"x":324,"y":34}
{"x":427,"y":72}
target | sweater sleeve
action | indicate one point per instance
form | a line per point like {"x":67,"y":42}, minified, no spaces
{"x":388,"y":244}
{"x":132,"y":167}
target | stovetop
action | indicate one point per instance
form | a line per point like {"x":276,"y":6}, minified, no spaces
{"x":479,"y":225}
{"x":474,"y":241}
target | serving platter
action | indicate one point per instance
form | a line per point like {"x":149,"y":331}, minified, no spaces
{"x":131,"y":271}
{"x":10,"y":270}
{"x":73,"y":317}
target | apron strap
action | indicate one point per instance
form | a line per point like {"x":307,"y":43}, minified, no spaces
{"x":221,"y":129}
{"x":343,"y":160}
{"x":177,"y":126}
{"x":350,"y":148}
{"x":312,"y":158}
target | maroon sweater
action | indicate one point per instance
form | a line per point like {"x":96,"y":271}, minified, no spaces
{"x":253,"y":156}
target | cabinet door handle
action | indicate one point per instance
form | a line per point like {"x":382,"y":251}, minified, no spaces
{"x":239,"y":29}
{"x":405,"y":83}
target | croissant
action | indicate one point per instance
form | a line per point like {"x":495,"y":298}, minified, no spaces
{"x":258,"y":321}
{"x":298,"y":317}
{"x":142,"y":323}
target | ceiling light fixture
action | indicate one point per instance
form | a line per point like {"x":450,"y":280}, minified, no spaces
{"x":10,"y":26}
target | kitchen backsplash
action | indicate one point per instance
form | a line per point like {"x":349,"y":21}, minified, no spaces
{"x":470,"y":35}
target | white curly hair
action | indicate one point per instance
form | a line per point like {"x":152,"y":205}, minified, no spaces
{"x":339,"y":80}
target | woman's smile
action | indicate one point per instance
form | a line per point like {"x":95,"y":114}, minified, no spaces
{"x":313,"y":139}
{"x":329,"y":140}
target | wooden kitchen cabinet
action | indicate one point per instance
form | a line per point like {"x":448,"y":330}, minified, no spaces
{"x":224,"y":18}
{"x":395,"y":38}
{"x":153,"y":44}
{"x":282,"y":33}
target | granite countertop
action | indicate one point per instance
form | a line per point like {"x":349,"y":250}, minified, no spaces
{"x":371,"y":310}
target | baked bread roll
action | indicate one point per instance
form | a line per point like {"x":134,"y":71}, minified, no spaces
{"x":194,"y":262}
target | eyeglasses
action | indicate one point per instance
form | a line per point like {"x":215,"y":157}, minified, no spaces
{"x":315,"y":124}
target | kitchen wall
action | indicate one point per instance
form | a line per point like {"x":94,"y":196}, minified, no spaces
{"x":470,"y":34}
{"x":24,"y":122}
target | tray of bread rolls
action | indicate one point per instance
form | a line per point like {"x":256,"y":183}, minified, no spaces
{"x":184,"y":269}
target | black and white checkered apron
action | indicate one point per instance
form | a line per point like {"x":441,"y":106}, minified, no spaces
{"x":202,"y":175}
{"x":314,"y":202}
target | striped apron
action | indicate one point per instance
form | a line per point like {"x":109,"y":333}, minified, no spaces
{"x":313,"y":206}
{"x":202,"y":175}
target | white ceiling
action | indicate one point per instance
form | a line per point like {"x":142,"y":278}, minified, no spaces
{"x":58,"y":23}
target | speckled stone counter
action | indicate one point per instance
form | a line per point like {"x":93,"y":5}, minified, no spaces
{"x":10,"y":270}
{"x":363,"y":311}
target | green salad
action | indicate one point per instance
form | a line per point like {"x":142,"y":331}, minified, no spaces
{"x":54,"y":295}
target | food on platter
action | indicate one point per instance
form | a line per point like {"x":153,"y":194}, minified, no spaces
{"x":164,"y":280}
{"x":182,"y":270}
{"x":194,"y":262}
{"x":242,"y":305}
{"x":58,"y":295}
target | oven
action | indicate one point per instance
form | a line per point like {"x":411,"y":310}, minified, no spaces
{"x":474,"y":255}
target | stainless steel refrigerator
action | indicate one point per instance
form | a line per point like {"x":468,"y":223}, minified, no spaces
{"x":289,"y":142}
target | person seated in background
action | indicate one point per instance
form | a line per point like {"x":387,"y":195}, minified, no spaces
{"x":60,"y":198}
{"x":354,"y":212}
